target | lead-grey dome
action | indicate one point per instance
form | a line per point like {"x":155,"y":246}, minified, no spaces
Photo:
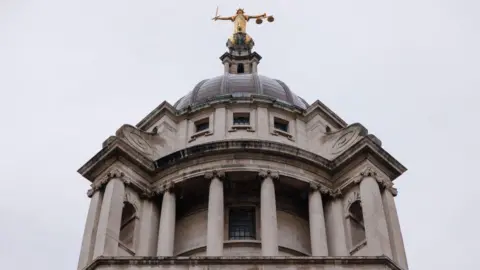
{"x":240,"y":85}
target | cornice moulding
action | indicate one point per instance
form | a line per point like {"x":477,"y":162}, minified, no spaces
{"x":114,"y":150}
{"x":364,"y":146}
{"x":228,"y":99}
{"x":318,"y":106}
{"x":365,"y":149}
{"x":164,"y":108}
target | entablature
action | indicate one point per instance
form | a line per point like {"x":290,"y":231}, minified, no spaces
{"x":250,"y":155}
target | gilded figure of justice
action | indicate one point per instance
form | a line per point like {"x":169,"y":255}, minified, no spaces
{"x":240,"y":20}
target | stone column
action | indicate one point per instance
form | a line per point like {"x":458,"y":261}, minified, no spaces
{"x":318,"y":234}
{"x":89,"y":234}
{"x":108,"y":228}
{"x":268,"y":214}
{"x":166,"y":232}
{"x":215,"y":225}
{"x":254,"y":66}
{"x":226,"y":65}
{"x":394,"y":230}
{"x":378,"y":241}
{"x":335,"y":220}
{"x":149,"y":220}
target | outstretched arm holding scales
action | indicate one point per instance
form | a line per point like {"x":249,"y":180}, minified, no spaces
{"x":241,"y":15}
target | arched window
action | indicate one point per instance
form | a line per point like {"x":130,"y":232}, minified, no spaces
{"x":357,"y":227}
{"x":127,"y":227}
{"x":240,"y":68}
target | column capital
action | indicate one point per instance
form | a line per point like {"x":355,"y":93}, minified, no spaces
{"x":215,"y":174}
{"x":170,"y":187}
{"x":337,"y":193}
{"x":267,"y":173}
{"x":334,"y":193}
{"x":148,"y":194}
{"x":318,"y":187}
{"x":102,"y":182}
{"x":373,"y":173}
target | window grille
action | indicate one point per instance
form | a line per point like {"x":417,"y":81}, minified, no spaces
{"x":242,"y":224}
{"x":241,"y":119}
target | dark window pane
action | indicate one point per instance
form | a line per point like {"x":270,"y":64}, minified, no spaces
{"x":357,"y":229}
{"x":281,"y":124}
{"x":242,"y":224}
{"x":202,"y":125}
{"x":241,"y":119}
{"x":127,"y":227}
{"x":240,"y":68}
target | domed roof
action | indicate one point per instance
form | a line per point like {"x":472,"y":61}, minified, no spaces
{"x":237,"y":86}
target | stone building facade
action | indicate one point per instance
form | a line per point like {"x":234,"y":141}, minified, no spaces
{"x":241,"y":173}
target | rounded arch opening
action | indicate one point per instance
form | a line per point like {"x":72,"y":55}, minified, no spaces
{"x":356,"y":224}
{"x":127,"y":226}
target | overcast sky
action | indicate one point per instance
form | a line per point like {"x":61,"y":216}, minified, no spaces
{"x":72,"y":72}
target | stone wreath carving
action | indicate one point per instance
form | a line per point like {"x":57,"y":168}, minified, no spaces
{"x":345,"y":138}
{"x":148,"y":143}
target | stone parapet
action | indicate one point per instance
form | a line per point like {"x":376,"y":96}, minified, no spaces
{"x":237,"y":263}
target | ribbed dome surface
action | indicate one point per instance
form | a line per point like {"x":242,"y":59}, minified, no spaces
{"x":240,"y":85}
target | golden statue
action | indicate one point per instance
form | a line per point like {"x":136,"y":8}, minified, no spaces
{"x":240,"y":20}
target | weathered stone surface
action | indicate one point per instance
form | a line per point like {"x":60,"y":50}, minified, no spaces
{"x":239,"y":168}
